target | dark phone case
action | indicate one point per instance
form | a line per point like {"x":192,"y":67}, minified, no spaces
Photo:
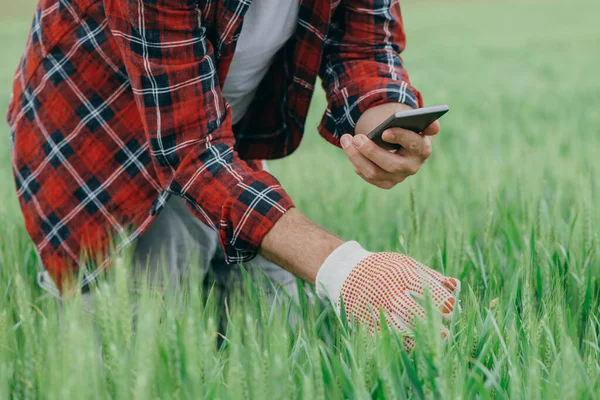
{"x":413,"y":120}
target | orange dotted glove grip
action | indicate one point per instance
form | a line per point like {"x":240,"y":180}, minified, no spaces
{"x":384,"y":281}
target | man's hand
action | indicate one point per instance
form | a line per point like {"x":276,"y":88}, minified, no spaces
{"x":369,"y":282}
{"x":381,"y":167}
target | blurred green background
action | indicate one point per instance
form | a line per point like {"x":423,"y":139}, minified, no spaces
{"x":508,"y":203}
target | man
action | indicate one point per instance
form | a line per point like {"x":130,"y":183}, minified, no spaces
{"x":124,"y":109}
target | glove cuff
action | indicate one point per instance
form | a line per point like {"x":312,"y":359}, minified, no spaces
{"x":336,"y":268}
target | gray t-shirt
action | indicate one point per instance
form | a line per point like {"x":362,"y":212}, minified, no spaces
{"x":267,"y":25}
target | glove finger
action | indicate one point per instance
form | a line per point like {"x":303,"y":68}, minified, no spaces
{"x":404,"y":272}
{"x":442,"y":298}
{"x":444,"y":332}
{"x":416,"y":277}
{"x":409,"y":344}
{"x":414,"y":272}
{"x":452,"y":284}
{"x":402,"y":310}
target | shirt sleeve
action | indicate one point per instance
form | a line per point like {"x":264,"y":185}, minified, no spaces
{"x":361,"y":65}
{"x":172,"y":69}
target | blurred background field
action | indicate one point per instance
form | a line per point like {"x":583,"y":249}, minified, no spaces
{"x":507,"y":203}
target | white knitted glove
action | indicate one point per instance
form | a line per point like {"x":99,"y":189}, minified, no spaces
{"x":368,"y":282}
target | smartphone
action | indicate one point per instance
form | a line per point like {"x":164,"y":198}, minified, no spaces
{"x":413,"y":120}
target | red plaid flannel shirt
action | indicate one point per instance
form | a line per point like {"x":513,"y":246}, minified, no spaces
{"x":117,"y":105}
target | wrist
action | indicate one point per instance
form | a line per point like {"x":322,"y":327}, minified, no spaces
{"x":335,"y":269}
{"x":299,"y":245}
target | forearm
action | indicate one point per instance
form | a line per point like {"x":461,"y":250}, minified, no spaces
{"x":298,"y":245}
{"x":361,"y":65}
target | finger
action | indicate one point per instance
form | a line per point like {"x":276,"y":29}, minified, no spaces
{"x":442,"y":298}
{"x":432,"y":129}
{"x":391,"y":163}
{"x":409,"y":344}
{"x":419,"y":277}
{"x":423,"y":153}
{"x":411,"y":271}
{"x":444,"y":332}
{"x":362,"y":165}
{"x":409,"y":140}
{"x":452,"y":284}
{"x":405,"y":321}
{"x":366,"y":169}
{"x":432,"y":272}
{"x":369,"y":171}
{"x":403,"y":311}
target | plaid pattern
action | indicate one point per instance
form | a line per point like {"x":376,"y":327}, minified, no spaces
{"x":117,"y":105}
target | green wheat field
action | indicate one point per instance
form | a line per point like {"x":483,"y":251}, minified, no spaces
{"x":507,"y":203}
